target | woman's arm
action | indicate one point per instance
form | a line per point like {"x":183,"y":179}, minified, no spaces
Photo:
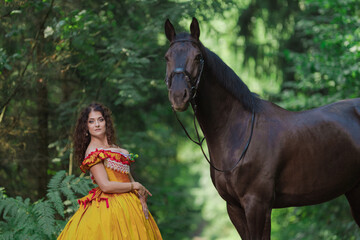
{"x":131,"y":177}
{"x":101,"y":178}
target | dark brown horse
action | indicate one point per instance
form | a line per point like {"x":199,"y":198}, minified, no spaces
{"x":263,"y":156}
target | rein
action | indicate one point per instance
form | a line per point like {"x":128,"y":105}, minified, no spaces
{"x":193,"y":91}
{"x":200,"y":142}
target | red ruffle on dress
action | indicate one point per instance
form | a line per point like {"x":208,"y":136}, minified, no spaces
{"x":108,"y":216}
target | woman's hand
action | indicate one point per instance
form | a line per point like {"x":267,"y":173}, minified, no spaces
{"x":144,"y":206}
{"x":143,"y":195}
{"x":142,"y":191}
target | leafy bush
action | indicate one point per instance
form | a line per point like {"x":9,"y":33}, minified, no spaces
{"x":329,"y":68}
{"x":45,"y":218}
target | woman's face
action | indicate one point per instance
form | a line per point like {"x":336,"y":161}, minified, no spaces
{"x":96,"y":124}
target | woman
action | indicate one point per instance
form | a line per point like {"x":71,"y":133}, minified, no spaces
{"x":117,"y":208}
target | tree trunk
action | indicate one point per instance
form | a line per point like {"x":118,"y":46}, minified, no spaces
{"x":43,"y":136}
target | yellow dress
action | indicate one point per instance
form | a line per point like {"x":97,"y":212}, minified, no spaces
{"x":108,"y":216}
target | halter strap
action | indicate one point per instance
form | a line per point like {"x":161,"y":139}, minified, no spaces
{"x":194,"y":83}
{"x":194,"y":88}
{"x":184,"y":40}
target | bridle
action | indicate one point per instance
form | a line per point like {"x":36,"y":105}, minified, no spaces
{"x":193,"y":92}
{"x":181,"y":70}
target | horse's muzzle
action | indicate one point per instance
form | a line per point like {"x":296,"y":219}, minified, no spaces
{"x":179,"y":99}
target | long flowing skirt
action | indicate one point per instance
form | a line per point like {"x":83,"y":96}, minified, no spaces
{"x":110,"y":216}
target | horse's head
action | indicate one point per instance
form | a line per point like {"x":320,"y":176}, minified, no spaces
{"x":184,"y":64}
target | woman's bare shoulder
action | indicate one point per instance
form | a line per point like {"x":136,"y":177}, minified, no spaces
{"x":122,"y":150}
{"x":90,"y":149}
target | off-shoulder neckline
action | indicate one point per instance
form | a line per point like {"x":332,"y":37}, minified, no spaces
{"x":115,"y":150}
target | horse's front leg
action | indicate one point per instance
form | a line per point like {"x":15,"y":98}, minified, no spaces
{"x":258,"y":217}
{"x":267,"y":228}
{"x":238,"y":218}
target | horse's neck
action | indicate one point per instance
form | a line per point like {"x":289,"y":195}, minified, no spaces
{"x":213,"y":106}
{"x":220,"y":114}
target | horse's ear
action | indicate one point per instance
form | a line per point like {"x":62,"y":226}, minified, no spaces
{"x":169,"y":30}
{"x":194,"y":29}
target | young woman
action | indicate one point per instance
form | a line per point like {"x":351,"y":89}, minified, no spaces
{"x":117,"y":208}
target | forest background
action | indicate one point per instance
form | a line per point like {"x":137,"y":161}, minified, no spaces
{"x":58,"y":56}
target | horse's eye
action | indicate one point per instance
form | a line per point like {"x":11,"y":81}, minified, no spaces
{"x":198,"y":57}
{"x":166,"y":58}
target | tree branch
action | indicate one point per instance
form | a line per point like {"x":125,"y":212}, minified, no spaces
{"x":18,"y":82}
{"x":5,"y":15}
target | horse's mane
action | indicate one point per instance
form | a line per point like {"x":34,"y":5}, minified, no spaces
{"x":229,"y":80}
{"x":226,"y":76}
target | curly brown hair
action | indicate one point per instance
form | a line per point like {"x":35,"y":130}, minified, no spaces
{"x":81,"y":134}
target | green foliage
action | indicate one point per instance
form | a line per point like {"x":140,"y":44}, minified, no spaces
{"x":112,"y":52}
{"x":87,"y":51}
{"x":311,"y":48}
{"x":322,"y":67}
{"x":331,"y":220}
{"x":263,"y":28}
{"x":329,"y":68}
{"x":68,"y":186}
{"x":21,"y":219}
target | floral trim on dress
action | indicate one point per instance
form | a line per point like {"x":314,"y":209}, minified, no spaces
{"x":112,"y":159}
{"x":96,"y":196}
{"x":115,"y":157}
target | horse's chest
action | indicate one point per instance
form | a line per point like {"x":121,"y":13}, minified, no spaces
{"x":223,"y":185}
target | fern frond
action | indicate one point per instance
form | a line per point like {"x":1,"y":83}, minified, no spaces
{"x":8,"y":235}
{"x":82,"y":185}
{"x":56,"y":180}
{"x":12,"y":207}
{"x":3,"y":205}
{"x":16,"y":215}
{"x":66,"y":188}
{"x":45,"y":217}
{"x":22,"y":219}
{"x":53,"y":194}
{"x":55,"y":199}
